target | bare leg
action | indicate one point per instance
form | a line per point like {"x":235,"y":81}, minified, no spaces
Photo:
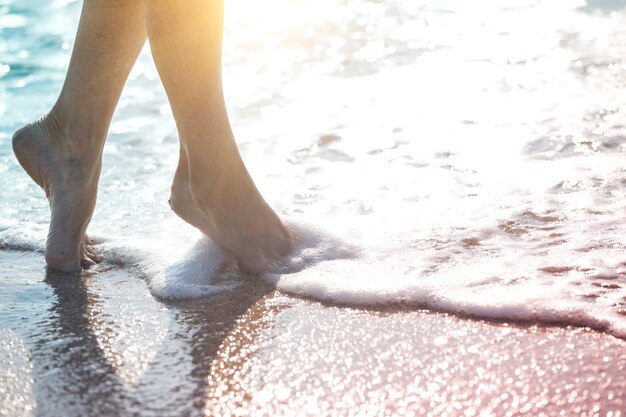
{"x":62,"y":151}
{"x":212,"y":189}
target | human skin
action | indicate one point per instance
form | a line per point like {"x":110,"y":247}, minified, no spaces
{"x":212,"y":190}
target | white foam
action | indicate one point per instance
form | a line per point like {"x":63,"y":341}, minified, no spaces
{"x":312,"y":245}
{"x":173,"y":268}
{"x":502,"y":287}
{"x":173,"y":271}
{"x":196,"y":274}
{"x":26,"y":236}
{"x":495,"y":276}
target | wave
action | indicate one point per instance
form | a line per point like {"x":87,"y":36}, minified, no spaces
{"x":333,"y":269}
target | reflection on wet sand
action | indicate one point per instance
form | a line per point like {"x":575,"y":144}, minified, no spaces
{"x":210,"y":325}
{"x":235,"y":357}
{"x":80,"y":360}
{"x":253,"y":351}
{"x":59,"y":351}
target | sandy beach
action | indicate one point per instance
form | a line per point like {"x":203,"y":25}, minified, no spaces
{"x":100,"y":345}
{"x":453,"y":176}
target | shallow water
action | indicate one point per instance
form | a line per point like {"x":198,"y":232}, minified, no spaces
{"x":444,"y":156}
{"x":101,"y":345}
{"x":463,"y":158}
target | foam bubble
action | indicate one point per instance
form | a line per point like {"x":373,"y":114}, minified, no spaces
{"x":204,"y":269}
{"x":26,"y":236}
{"x":311,"y":245}
{"x":473,"y":277}
{"x":173,"y":268}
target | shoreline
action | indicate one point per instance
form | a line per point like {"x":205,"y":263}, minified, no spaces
{"x":100,"y":344}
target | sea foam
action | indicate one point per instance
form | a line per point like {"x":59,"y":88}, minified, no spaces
{"x":457,"y":278}
{"x":205,"y":268}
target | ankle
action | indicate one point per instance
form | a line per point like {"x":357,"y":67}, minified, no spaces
{"x":78,"y":139}
{"x":180,"y":195}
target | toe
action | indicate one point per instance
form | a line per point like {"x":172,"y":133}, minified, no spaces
{"x":86,"y":263}
{"x":92,"y":255}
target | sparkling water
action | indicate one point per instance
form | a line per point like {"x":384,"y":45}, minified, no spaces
{"x":462,"y":156}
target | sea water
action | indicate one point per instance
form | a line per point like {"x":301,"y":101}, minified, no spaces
{"x":466,"y":157}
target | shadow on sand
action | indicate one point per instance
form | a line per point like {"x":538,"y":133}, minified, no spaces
{"x":74,"y":376}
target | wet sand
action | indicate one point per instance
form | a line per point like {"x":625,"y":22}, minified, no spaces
{"x":98,"y":344}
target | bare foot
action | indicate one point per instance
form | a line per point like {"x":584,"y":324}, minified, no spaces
{"x":232,"y":212}
{"x":181,"y":200}
{"x":68,"y":174}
